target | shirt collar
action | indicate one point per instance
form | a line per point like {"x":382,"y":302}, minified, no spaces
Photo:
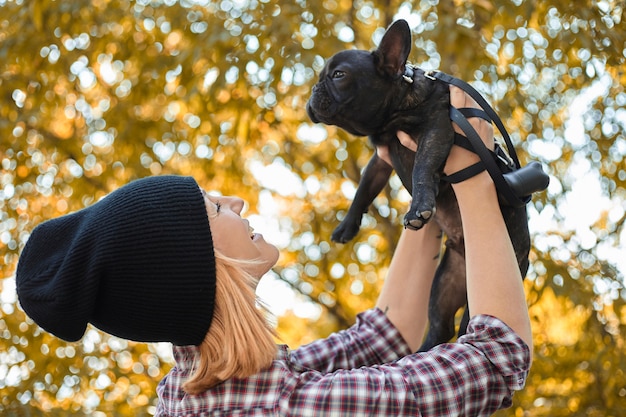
{"x":185,"y":356}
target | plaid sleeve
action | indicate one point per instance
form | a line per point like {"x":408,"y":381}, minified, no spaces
{"x":474,"y":377}
{"x":509,"y":355}
{"x":372,"y":340}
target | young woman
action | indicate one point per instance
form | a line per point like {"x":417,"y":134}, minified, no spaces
{"x":161,"y":260}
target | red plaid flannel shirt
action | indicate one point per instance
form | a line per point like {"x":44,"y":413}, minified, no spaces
{"x":366,"y":370}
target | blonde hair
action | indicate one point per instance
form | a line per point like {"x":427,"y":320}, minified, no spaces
{"x":240,"y":341}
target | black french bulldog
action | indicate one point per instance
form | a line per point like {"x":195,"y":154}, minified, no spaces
{"x":367,"y":94}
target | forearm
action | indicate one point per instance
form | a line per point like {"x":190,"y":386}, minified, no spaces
{"x":370,"y":341}
{"x":405,"y":293}
{"x":494,"y":283}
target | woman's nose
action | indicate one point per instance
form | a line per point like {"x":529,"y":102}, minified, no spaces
{"x":236,"y":204}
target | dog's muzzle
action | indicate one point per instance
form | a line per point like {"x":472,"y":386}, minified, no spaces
{"x":320,"y":106}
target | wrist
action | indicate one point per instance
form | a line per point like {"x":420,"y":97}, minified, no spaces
{"x":479,"y":187}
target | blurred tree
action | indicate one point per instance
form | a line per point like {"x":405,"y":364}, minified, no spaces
{"x":96,"y":93}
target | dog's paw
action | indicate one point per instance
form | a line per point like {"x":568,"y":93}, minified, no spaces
{"x":345,"y":232}
{"x":416,"y":220}
{"x":422,"y":206}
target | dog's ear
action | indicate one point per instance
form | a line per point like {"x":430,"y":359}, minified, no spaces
{"x":394,"y":49}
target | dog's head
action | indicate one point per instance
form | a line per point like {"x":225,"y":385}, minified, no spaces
{"x":355,"y":88}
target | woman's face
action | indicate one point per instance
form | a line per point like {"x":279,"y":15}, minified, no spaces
{"x":233,"y":236}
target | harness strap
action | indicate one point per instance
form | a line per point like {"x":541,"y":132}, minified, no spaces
{"x":469,"y":112}
{"x":465,"y":173}
{"x":474,"y":112}
{"x":463,"y":142}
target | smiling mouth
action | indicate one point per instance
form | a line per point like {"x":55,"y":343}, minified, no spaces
{"x":251,"y":232}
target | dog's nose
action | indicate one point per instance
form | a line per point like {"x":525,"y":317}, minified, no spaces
{"x":311,"y":113}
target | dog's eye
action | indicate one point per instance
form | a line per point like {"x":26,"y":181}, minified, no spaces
{"x":338,"y":74}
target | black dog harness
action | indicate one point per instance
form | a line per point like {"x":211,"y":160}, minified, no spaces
{"x":515,"y":184}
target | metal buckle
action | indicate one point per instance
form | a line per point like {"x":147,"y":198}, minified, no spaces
{"x":431,"y":75}
{"x":502,"y":156}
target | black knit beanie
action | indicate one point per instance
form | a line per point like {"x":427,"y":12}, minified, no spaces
{"x":138,"y":264}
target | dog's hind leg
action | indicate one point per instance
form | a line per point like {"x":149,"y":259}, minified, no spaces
{"x":447,"y":295}
{"x":464,"y":322}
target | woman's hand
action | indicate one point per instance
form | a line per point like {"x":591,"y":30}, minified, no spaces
{"x":458,"y":158}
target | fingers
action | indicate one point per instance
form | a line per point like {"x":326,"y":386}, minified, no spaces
{"x":485,"y":131}
{"x":459,"y":99}
{"x":383,"y":153}
{"x":406,"y":140}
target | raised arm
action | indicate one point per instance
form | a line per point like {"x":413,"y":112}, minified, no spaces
{"x":494,"y":284}
{"x":405,"y":293}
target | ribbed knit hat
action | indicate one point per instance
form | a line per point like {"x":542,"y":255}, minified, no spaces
{"x":138,"y":264}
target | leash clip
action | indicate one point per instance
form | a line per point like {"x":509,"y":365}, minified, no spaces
{"x":507,"y":161}
{"x":431,"y":75}
{"x":408,"y":73}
